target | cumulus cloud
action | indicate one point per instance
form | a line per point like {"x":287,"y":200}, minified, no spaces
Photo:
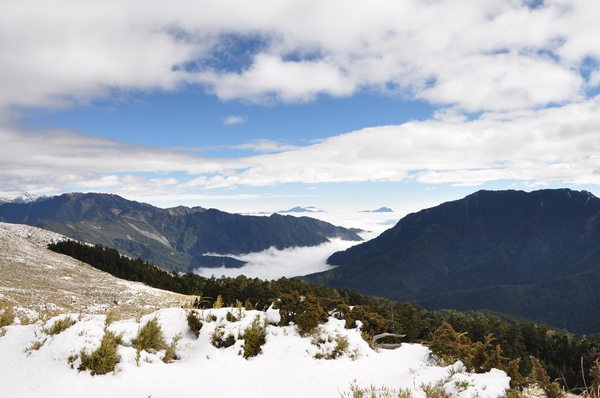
{"x":483,"y":55}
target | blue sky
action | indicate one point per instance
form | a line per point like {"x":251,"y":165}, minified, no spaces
{"x":272,"y":104}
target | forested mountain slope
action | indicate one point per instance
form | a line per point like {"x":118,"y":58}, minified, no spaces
{"x":175,"y":238}
{"x":535,"y":255}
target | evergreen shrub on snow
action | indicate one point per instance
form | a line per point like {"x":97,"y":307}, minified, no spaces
{"x":254,"y":338}
{"x":104,"y":359}
{"x":150,"y":337}
{"x":194,"y":323}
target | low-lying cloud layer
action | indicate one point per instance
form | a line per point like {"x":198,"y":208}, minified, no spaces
{"x":274,"y":264}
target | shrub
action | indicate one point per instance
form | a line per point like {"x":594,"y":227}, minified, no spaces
{"x":540,"y":377}
{"x":194,"y":323}
{"x":218,"y":339}
{"x":105,"y":358}
{"x":7,"y":316}
{"x":306,"y":312}
{"x":254,"y":338}
{"x":150,"y":337}
{"x":341,"y":346}
{"x":170,"y":354}
{"x":60,"y":326}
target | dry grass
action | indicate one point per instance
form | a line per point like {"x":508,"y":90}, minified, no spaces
{"x":37,"y":279}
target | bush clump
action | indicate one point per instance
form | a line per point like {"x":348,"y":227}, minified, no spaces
{"x":218,"y":339}
{"x":105,"y":358}
{"x":150,"y":337}
{"x":194,"y":323}
{"x":305,"y":311}
{"x":254,"y":338}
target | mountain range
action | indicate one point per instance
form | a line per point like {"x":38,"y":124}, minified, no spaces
{"x":534,"y":255}
{"x":178,"y":238}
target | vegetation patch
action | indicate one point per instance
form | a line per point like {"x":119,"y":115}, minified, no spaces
{"x":7,"y":315}
{"x":219,"y":340}
{"x":254,"y":338}
{"x":150,"y":337}
{"x":104,"y":359}
{"x":60,"y":325}
{"x":194,"y":323}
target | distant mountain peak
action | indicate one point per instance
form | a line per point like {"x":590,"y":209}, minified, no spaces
{"x":380,"y":210}
{"x":24,"y":198}
{"x":300,"y":209}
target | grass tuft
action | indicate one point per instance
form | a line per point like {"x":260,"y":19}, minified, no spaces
{"x":60,"y":326}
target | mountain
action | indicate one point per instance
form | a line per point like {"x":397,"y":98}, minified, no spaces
{"x":177,"y":238}
{"x":534,"y":255}
{"x":380,"y":210}
{"x":24,"y":198}
{"x":299,"y":209}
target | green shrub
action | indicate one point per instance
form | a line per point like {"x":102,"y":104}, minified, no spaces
{"x":194,"y":323}
{"x":305,"y":311}
{"x":105,"y":358}
{"x":150,"y":337}
{"x":60,"y":326}
{"x":254,"y":338}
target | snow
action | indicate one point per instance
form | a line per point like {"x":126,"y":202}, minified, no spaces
{"x":286,"y":367}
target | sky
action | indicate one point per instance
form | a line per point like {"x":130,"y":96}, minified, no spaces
{"x":266,"y":105}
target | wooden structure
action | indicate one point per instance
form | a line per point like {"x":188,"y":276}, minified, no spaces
{"x":387,"y":346}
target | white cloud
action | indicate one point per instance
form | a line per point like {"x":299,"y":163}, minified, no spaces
{"x":481,"y":55}
{"x":233,"y":120}
{"x":548,"y":145}
{"x":266,"y":146}
{"x":274,"y":264}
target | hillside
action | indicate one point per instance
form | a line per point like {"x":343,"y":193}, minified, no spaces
{"x":35,"y":279}
{"x":65,"y":309}
{"x":176,"y":238}
{"x":534,"y":255}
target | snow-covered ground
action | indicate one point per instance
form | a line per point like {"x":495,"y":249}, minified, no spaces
{"x":35,"y":364}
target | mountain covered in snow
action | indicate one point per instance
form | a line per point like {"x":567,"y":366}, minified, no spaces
{"x":533,"y":255}
{"x":178,"y":238}
{"x":24,"y":198}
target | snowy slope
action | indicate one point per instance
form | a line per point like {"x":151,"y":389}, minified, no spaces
{"x":287,"y":366}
